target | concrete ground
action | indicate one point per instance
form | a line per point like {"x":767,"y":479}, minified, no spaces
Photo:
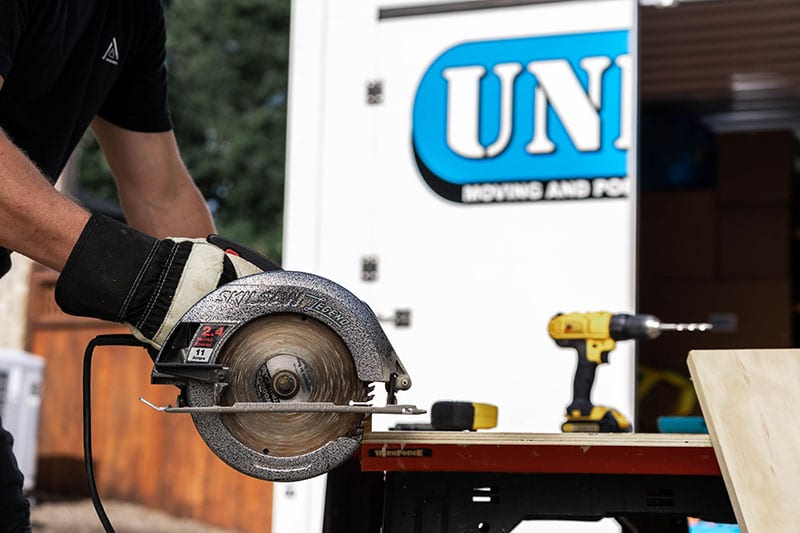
{"x":79,"y":516}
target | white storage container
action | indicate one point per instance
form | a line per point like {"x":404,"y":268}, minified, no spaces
{"x":21,"y":377}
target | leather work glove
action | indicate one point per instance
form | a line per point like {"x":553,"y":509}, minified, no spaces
{"x":118,"y":274}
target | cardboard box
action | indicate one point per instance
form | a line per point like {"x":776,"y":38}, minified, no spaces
{"x":753,"y":242}
{"x":756,"y":168}
{"x":764,"y":310}
{"x":677,"y":235}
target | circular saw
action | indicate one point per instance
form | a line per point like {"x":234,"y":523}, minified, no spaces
{"x":277,"y":369}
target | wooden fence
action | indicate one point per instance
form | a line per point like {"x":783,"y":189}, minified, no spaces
{"x":140,"y":455}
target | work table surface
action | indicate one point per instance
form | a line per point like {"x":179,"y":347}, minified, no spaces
{"x":586,"y":453}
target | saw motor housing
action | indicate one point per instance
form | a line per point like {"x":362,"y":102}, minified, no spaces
{"x":193,"y":359}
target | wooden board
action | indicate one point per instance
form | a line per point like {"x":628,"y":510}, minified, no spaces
{"x":751,"y":403}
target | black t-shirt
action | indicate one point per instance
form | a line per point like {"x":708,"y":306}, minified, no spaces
{"x":65,"y":61}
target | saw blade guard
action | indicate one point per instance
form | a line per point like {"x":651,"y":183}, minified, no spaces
{"x":279,"y":337}
{"x":237,"y":303}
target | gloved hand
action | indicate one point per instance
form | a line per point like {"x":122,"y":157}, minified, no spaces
{"x":5,"y":261}
{"x":119,"y":274}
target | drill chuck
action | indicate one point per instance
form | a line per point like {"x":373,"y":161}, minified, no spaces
{"x":640,"y":327}
{"x":644,"y":327}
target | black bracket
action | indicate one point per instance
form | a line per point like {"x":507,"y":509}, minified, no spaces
{"x":440,"y":502}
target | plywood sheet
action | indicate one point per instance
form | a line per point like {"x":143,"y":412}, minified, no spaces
{"x":751,"y":403}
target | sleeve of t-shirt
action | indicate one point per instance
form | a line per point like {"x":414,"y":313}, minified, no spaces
{"x":138,"y":100}
{"x":13,"y":16}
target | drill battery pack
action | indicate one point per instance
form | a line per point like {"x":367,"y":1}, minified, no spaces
{"x":599,"y":420}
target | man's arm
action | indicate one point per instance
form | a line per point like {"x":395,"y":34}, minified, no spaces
{"x":109,"y":270}
{"x":35,"y":219}
{"x":156,"y":192}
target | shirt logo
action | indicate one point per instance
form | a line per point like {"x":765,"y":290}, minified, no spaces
{"x":112,"y":54}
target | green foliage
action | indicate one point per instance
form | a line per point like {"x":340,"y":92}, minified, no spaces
{"x":228,"y":62}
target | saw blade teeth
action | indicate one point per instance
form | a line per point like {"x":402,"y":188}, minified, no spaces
{"x":288,"y":358}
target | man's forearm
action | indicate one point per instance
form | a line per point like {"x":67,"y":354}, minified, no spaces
{"x":35,"y":219}
{"x":181,"y":213}
{"x":156,"y":192}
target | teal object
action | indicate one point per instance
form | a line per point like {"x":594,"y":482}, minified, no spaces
{"x":711,"y":527}
{"x":682,"y":424}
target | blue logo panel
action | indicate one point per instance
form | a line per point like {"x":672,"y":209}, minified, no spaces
{"x":506,"y":117}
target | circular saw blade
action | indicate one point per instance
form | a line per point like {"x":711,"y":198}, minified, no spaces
{"x":289,"y":358}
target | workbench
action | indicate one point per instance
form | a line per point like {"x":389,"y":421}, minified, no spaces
{"x":443,"y":482}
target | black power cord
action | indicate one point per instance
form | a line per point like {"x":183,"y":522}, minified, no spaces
{"x":100,"y":340}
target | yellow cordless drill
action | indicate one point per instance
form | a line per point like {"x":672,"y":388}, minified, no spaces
{"x":594,"y":335}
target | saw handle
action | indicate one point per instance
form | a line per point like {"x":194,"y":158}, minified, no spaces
{"x":248,"y":254}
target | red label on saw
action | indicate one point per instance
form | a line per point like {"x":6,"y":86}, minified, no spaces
{"x":204,"y":341}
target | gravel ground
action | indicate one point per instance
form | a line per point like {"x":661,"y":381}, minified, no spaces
{"x":78,"y":516}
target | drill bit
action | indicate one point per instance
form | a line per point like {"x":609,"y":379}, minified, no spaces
{"x":687,"y":326}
